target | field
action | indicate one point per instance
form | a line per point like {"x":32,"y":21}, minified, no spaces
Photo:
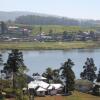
{"x":48,"y":45}
{"x":60,"y":29}
{"x":75,"y":96}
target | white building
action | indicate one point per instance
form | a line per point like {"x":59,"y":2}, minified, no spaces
{"x":41,"y":88}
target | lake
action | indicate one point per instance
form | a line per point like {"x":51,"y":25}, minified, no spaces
{"x":38,"y":61}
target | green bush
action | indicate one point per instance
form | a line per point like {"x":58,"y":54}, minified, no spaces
{"x":25,"y":97}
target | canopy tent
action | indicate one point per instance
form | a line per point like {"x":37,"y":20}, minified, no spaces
{"x":97,"y":83}
{"x":55,"y":86}
{"x":40,"y":89}
{"x":36,"y":83}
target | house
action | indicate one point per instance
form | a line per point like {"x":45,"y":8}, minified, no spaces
{"x":40,"y":91}
{"x":38,"y":85}
{"x":42,"y":88}
{"x":54,"y":89}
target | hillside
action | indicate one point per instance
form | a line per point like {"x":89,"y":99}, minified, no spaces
{"x":4,"y":16}
{"x":55,"y":20}
{"x":31,"y":18}
{"x":46,"y":20}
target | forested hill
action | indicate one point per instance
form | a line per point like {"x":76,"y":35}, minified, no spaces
{"x":53,"y":20}
{"x":32,"y":18}
{"x":45,"y":20}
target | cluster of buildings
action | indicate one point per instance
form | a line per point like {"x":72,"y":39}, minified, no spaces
{"x":40,"y":87}
{"x":68,"y":36}
{"x":24,"y":33}
{"x":14,"y":33}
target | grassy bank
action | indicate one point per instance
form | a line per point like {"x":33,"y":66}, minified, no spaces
{"x":60,"y":28}
{"x":48,"y":45}
{"x":75,"y":96}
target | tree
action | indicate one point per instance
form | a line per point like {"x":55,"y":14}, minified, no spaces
{"x":52,"y":75}
{"x":68,"y":75}
{"x":40,"y":29}
{"x":96,"y":89}
{"x":1,"y":60}
{"x":56,"y":76}
{"x":50,"y":31}
{"x":89,"y":70}
{"x":15,"y":65}
{"x":1,"y":71}
{"x":98,"y":77}
{"x":48,"y":74}
{"x":3,"y":27}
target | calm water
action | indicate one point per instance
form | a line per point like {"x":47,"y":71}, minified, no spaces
{"x":38,"y":61}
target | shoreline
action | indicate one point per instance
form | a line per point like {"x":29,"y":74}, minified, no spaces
{"x":49,"y":45}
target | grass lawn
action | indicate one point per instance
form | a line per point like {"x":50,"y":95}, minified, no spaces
{"x":75,"y":96}
{"x":60,"y":28}
{"x":48,"y":45}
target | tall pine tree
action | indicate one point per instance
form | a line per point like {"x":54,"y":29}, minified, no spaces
{"x":68,"y":75}
{"x":89,"y":70}
{"x":14,"y":64}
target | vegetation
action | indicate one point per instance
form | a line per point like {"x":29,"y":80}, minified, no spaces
{"x":75,"y":96}
{"x":52,"y":75}
{"x":55,"y":29}
{"x":49,"y":45}
{"x":96,"y":89}
{"x":48,"y":74}
{"x":68,"y":75}
{"x":54,"y":20}
{"x":1,"y":63}
{"x":98,"y":77}
{"x":14,"y":65}
{"x":45,"y":20}
{"x":15,"y":79}
{"x":89,"y":70}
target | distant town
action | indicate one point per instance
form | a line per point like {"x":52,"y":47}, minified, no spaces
{"x":23,"y":33}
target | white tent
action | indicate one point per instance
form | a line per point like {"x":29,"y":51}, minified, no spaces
{"x":41,"y":89}
{"x":32,"y":85}
{"x":55,"y":86}
{"x":36,"y":83}
{"x":97,"y":83}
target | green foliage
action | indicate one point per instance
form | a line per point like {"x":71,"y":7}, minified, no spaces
{"x":68,"y":75}
{"x":45,"y":20}
{"x":1,"y":60}
{"x":96,"y":89}
{"x":52,"y":75}
{"x":89,"y":70}
{"x":25,"y":97}
{"x":98,"y":77}
{"x":8,"y":90}
{"x":48,"y":74}
{"x":15,"y":66}
{"x":49,"y":45}
{"x":54,"y":29}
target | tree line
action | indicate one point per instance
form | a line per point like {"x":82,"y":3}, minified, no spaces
{"x":53,"y":20}
{"x":45,"y":20}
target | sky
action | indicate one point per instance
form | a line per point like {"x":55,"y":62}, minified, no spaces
{"x":84,"y":9}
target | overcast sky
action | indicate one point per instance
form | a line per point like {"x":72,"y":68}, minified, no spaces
{"x":88,"y":9}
